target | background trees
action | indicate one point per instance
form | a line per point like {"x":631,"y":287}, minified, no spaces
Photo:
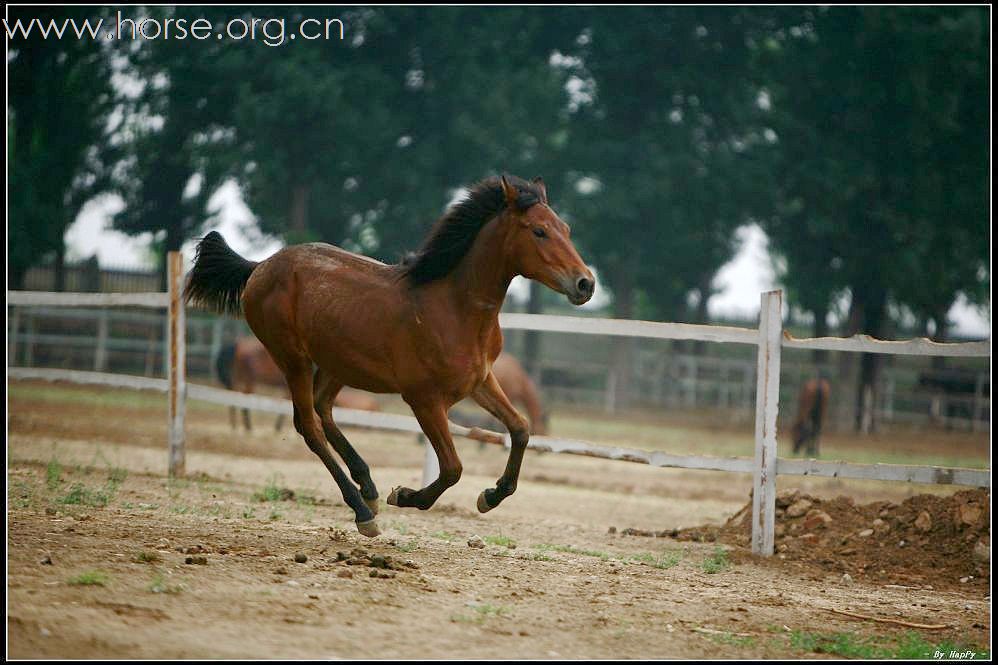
{"x":856,"y":137}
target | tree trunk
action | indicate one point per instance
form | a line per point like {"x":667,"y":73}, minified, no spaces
{"x":942,"y":334}
{"x":532,"y":339}
{"x":623,"y":347}
{"x":874,"y":314}
{"x":702,"y":316}
{"x":820,"y":356}
{"x":59,"y":268}
{"x":299,"y":209}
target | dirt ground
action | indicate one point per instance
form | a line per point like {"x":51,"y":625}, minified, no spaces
{"x":254,"y":555}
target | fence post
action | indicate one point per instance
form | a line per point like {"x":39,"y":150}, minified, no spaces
{"x":15,"y":329}
{"x":177,"y":364}
{"x":431,"y":468}
{"x":100,"y":352}
{"x":767,"y":397}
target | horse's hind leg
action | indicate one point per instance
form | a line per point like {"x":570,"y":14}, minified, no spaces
{"x":299,"y":375}
{"x":326,"y":389}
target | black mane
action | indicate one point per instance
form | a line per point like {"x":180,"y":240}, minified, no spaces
{"x":455,"y":232}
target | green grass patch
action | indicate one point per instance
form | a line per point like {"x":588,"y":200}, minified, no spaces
{"x":717,"y":561}
{"x":444,"y":535}
{"x":160,"y":585}
{"x":273,"y":492}
{"x":503,"y":541}
{"x":481,"y":613}
{"x":53,"y":474}
{"x":546,"y":547}
{"x":146,"y":556}
{"x":89,"y":578}
{"x":664,"y":561}
{"x":909,"y":646}
{"x":81,"y":495}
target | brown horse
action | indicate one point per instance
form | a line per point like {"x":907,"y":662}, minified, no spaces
{"x":427,"y":329}
{"x":246,"y":363}
{"x":812,"y":405}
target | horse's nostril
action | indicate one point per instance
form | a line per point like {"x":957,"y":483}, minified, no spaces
{"x":584,"y":285}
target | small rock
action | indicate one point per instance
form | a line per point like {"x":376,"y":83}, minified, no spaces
{"x":293,"y":583}
{"x":809,"y":539}
{"x":846,"y":578}
{"x":163,"y":544}
{"x":409,"y":563}
{"x":798,"y":508}
{"x":50,"y":511}
{"x":786,"y":497}
{"x":383,"y":574}
{"x":344,"y":572}
{"x":476,"y":542}
{"x":968,"y":514}
{"x":902,"y":543}
{"x":923,"y":522}
{"x":46,"y":560}
{"x":44,"y":632}
{"x":378,"y":561}
{"x":817,"y":520}
{"x":982,"y":550}
{"x":964,"y":580}
{"x":612,"y":529}
{"x":865,"y":533}
{"x":281,"y":571}
{"x":300,"y":558}
{"x":196,"y":560}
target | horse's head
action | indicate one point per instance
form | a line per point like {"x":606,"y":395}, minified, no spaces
{"x":539,"y":244}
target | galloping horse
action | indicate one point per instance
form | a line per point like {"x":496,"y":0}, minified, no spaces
{"x":427,"y":329}
{"x":812,"y":405}
{"x":246,"y":363}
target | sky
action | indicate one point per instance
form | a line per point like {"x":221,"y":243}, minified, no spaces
{"x":739,"y":282}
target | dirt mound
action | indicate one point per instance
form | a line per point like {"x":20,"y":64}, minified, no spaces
{"x":927,"y":540}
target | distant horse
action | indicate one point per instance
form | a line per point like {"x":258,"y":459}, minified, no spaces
{"x":427,"y":329}
{"x":246,"y":363}
{"x":812,"y":405}
{"x":520,"y":389}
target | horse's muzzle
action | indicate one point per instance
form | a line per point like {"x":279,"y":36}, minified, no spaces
{"x":581,"y":290}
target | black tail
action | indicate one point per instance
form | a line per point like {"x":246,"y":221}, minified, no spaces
{"x":223,"y":365}
{"x":218,"y":277}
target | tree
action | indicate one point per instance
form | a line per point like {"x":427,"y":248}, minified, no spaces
{"x":875,"y":110}
{"x":60,"y":97}
{"x":176,"y":134}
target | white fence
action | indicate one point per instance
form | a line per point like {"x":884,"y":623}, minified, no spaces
{"x":126,"y":341}
{"x":769,"y":338}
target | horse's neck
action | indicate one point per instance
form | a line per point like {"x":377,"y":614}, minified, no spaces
{"x":481,"y":279}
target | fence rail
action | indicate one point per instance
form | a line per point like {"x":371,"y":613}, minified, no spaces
{"x":769,"y":339}
{"x":130,"y":340}
{"x":408,"y":424}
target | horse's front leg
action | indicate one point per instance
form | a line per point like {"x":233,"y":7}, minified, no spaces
{"x":491,"y":397}
{"x":432,"y":418}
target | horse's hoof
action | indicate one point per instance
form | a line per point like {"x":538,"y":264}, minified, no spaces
{"x":483,"y":505}
{"x":369,"y":528}
{"x":372,"y":504}
{"x":393,"y":498}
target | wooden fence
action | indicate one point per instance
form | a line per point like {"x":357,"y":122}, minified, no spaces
{"x":769,"y":338}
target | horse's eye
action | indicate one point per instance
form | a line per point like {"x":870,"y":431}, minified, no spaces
{"x":539,"y":232}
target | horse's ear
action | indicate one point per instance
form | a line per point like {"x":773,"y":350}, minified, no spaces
{"x":509,"y":191}
{"x":539,"y":184}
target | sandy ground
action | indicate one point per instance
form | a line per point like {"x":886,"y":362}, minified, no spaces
{"x":89,"y":501}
